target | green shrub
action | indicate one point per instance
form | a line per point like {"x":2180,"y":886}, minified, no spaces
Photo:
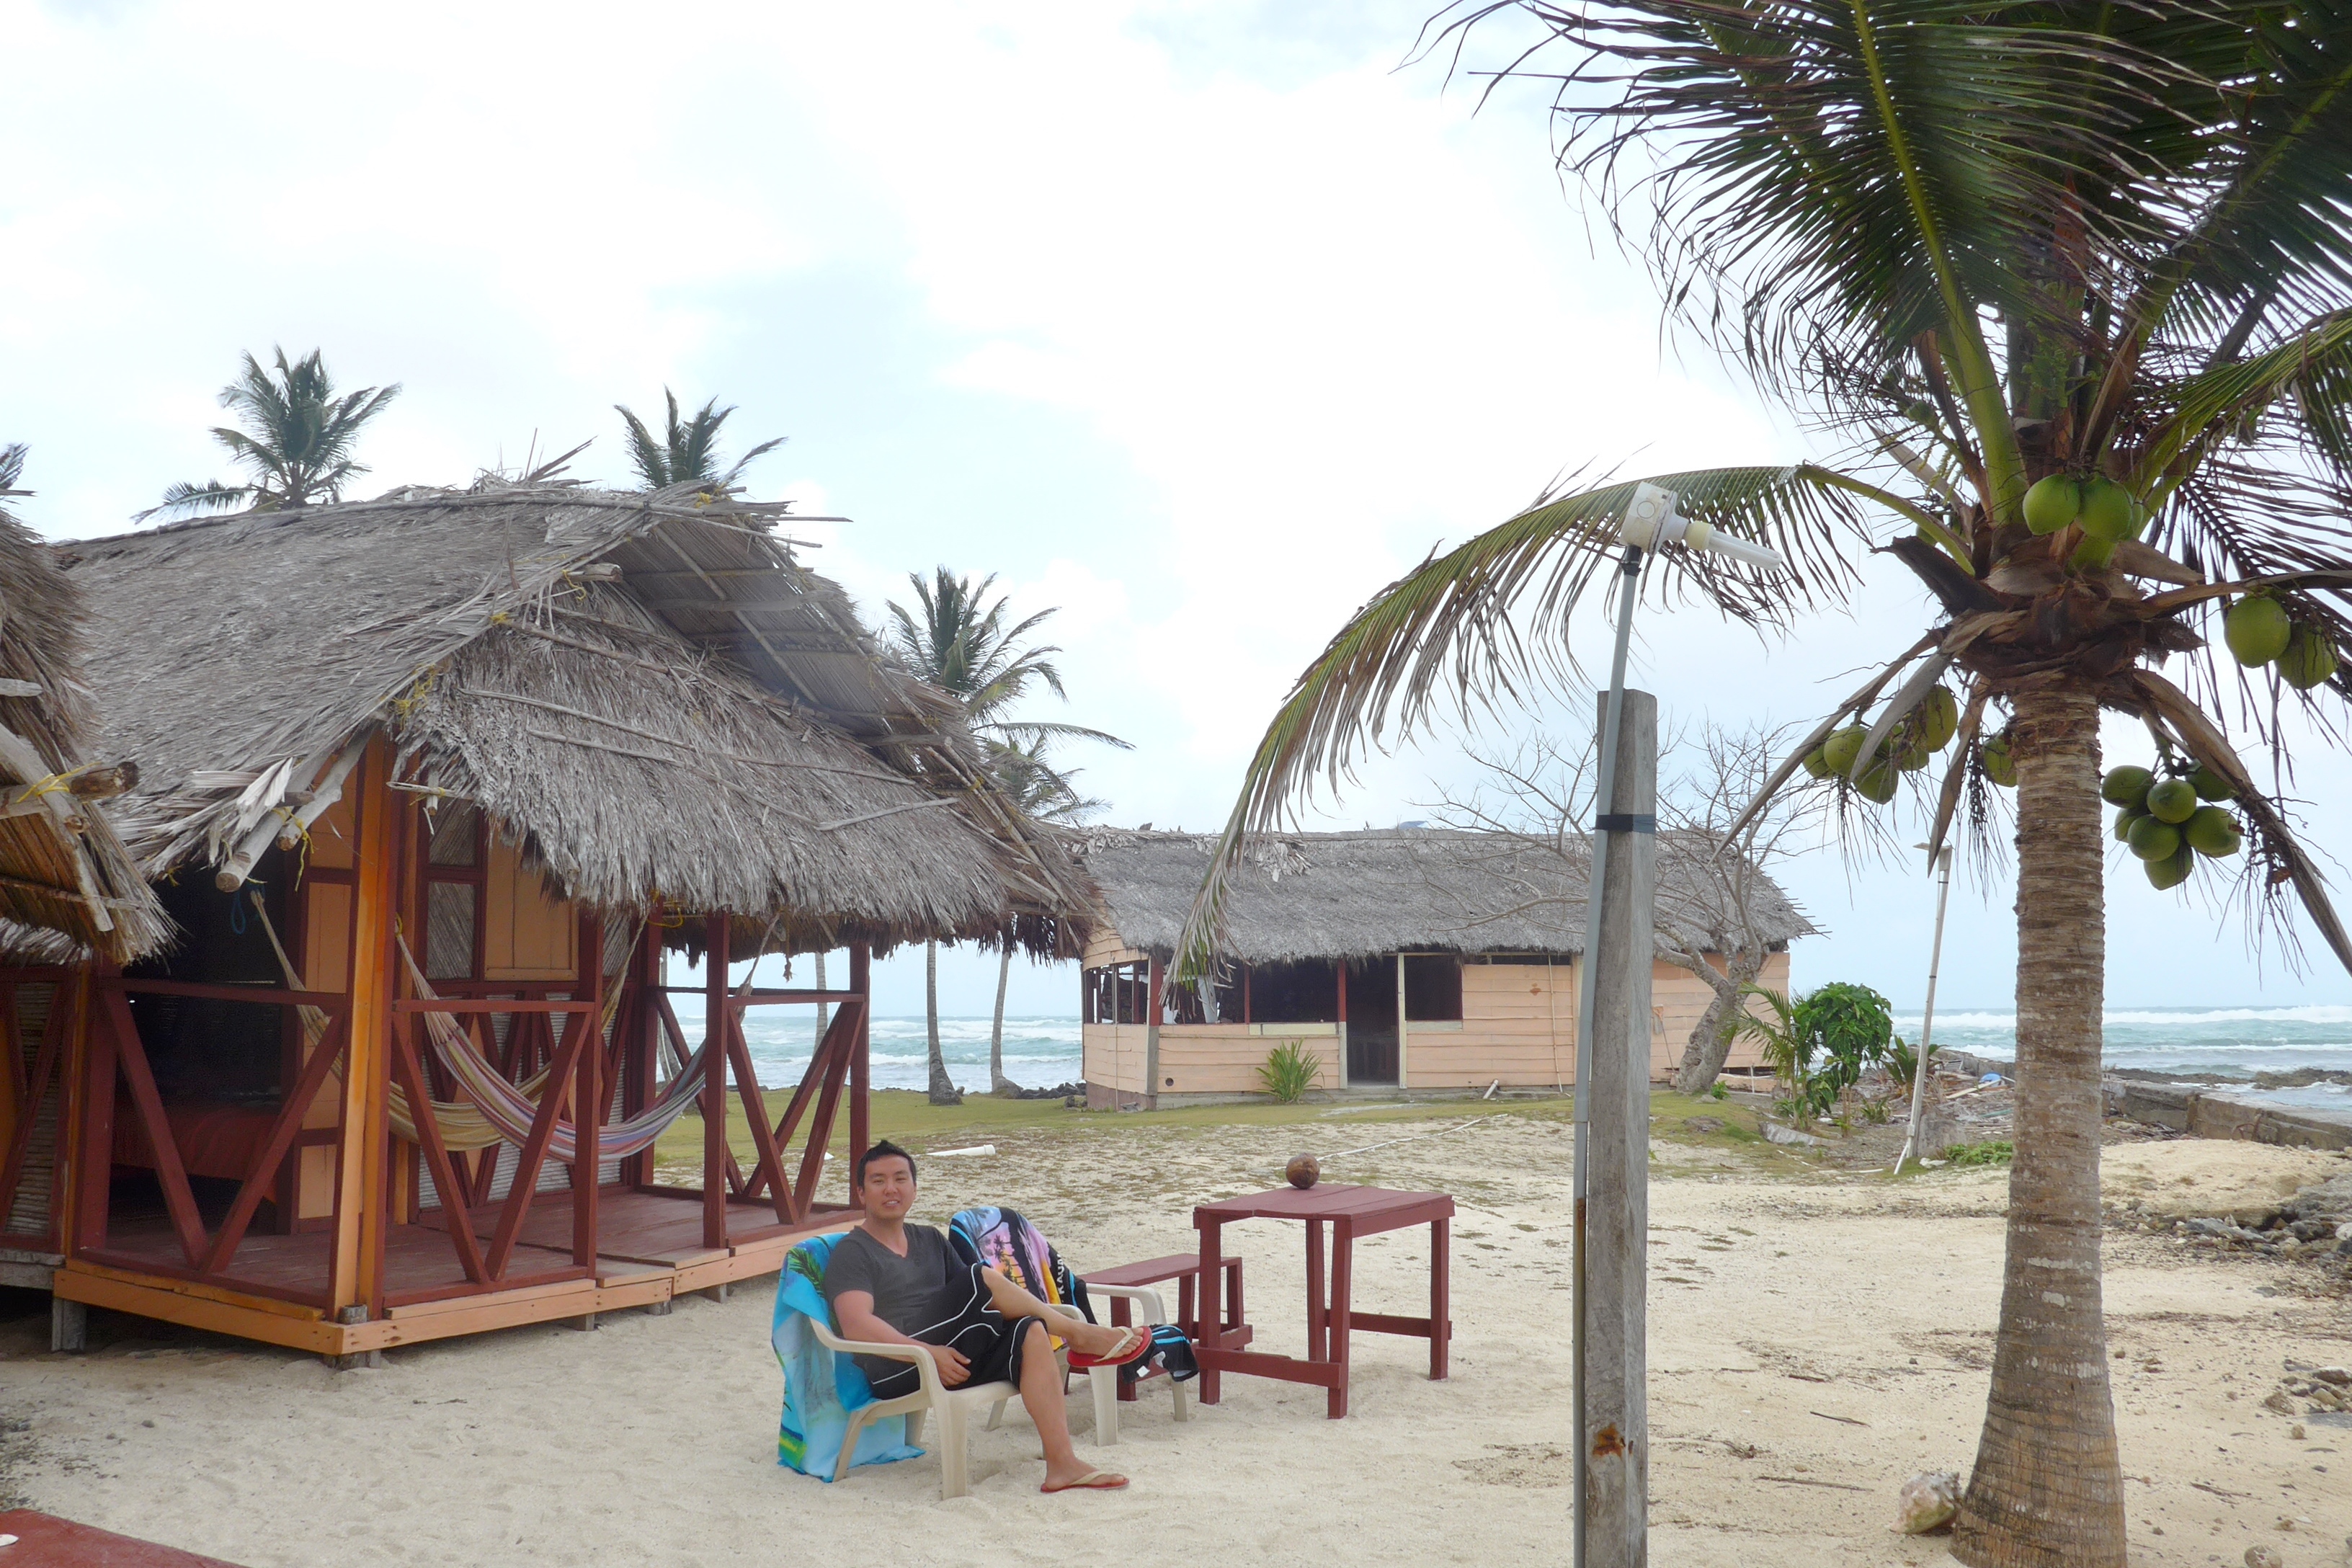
{"x":1998,"y":1152}
{"x":1289,"y":1070}
{"x":1821,"y":1043}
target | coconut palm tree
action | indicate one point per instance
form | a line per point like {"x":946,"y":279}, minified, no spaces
{"x":2069,"y":285}
{"x":688,"y":448}
{"x":296,"y":440}
{"x":960,"y":642}
{"x":1045,"y":793}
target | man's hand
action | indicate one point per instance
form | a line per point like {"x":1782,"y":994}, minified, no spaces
{"x":955,"y":1367}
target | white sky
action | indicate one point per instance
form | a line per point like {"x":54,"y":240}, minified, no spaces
{"x":1200,"y":320}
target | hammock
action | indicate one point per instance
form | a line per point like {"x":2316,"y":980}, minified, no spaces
{"x":511,"y":1111}
{"x":463,"y":1127}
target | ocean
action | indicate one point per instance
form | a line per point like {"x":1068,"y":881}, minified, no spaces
{"x":1045,"y":1051}
{"x":2236,"y":1042}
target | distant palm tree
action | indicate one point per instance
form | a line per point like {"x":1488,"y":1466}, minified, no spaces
{"x":960,"y":644}
{"x":689,"y":449}
{"x":11,"y":469}
{"x":296,"y":440}
{"x":1043,"y":794}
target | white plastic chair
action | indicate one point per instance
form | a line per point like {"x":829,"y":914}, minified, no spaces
{"x":955,"y":1405}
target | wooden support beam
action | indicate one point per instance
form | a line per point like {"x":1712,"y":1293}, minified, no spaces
{"x":90,"y":1160}
{"x":170,"y":1174}
{"x":716,"y":1157}
{"x":589,"y":1103}
{"x":261,"y":1175}
{"x":769,"y":1169}
{"x":836,"y":1073}
{"x":447,"y":1179}
{"x":861,"y":1063}
{"x":30,"y":1092}
{"x":524,"y":1187}
{"x":354,"y":1278}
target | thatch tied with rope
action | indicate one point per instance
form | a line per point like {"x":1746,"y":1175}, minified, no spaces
{"x":648,"y":691}
{"x":1299,"y":896}
{"x":67,"y":884}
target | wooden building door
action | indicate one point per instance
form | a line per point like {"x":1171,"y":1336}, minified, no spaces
{"x":1371,"y":1021}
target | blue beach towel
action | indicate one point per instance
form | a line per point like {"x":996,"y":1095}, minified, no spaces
{"x":821,"y":1388}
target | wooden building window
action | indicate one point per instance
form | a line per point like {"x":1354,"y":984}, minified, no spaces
{"x":1433,"y":988}
{"x":1117,"y":993}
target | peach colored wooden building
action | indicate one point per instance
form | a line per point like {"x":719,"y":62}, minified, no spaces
{"x":1413,"y":959}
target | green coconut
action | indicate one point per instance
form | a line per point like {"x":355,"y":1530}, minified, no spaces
{"x":2211,"y":786}
{"x":1999,"y":766}
{"x":2153,"y":838}
{"x":2092,"y":554}
{"x":1877,"y":780}
{"x":2126,"y":786}
{"x":2257,"y":629}
{"x":2309,"y":659}
{"x":1841,"y":749}
{"x":2212,"y":832}
{"x":2106,"y":514}
{"x":1817,"y":764}
{"x":2124,"y":820}
{"x":2053,"y":502}
{"x":2173,"y":869}
{"x":1938,"y":718}
{"x":2173,"y":801}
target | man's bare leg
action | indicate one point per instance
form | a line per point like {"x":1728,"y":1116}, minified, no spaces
{"x":1041,"y":1392}
{"x":1094,"y":1339}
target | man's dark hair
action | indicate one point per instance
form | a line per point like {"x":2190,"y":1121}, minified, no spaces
{"x":885,"y":1150}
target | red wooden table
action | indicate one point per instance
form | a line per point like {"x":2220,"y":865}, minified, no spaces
{"x":1332,"y":1317}
{"x":43,"y":1541}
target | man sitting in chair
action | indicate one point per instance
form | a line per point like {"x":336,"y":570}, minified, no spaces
{"x":895,"y":1283}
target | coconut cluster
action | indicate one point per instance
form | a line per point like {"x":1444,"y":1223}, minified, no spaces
{"x":1928,"y":729}
{"x":2106,"y":512}
{"x":2170,"y":822}
{"x":2259,"y":631}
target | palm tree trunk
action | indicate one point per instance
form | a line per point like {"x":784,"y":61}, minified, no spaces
{"x":1710,"y":1041}
{"x":823,"y":1013}
{"x":2047,"y":1491}
{"x":943,"y":1089}
{"x":997,"y":1082}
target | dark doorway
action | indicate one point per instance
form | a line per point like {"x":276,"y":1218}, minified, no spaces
{"x":1371,"y":1021}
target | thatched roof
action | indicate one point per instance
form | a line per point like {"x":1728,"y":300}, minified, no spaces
{"x":1356,"y":894}
{"x":66,"y":883}
{"x":649,"y":691}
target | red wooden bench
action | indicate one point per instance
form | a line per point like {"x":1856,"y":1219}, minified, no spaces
{"x":45,"y":1541}
{"x":1184,"y":1268}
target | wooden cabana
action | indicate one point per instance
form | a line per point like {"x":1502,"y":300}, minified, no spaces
{"x":1412,"y":959}
{"x":68,"y":888}
{"x":432,"y":783}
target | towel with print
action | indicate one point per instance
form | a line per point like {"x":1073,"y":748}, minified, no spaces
{"x":821,"y":1388}
{"x":1009,"y":1243}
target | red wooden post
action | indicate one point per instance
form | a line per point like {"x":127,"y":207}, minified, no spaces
{"x":1212,"y":1284}
{"x":1245,"y":993}
{"x":641,"y":1042}
{"x":715,"y":1019}
{"x":1317,"y":1303}
{"x":1440,"y":1298}
{"x":588,"y":1102}
{"x":1154,"y":990}
{"x":92,"y":1159}
{"x":1342,"y":967}
{"x":861,"y":1067}
{"x":1343,"y":1257}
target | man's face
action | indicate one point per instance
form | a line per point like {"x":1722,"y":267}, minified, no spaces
{"x":889,"y":1187}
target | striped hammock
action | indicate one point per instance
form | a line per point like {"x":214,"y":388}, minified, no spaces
{"x":509,"y":1109}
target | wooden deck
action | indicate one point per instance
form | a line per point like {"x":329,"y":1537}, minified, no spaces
{"x":650,"y":1250}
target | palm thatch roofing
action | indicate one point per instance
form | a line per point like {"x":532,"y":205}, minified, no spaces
{"x":1299,"y":896}
{"x":649,"y":692}
{"x":67,"y":885}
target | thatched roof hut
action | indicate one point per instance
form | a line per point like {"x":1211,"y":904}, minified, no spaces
{"x":649,"y":691}
{"x":66,"y":883}
{"x":1300,"y":896}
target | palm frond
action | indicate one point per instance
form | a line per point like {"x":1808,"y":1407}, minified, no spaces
{"x":183,"y":497}
{"x":11,"y":469}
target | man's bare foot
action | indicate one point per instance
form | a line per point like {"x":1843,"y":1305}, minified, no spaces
{"x":1077,"y":1476}
{"x":1094,"y":1339}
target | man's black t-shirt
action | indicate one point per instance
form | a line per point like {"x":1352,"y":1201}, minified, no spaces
{"x":906,"y":1290}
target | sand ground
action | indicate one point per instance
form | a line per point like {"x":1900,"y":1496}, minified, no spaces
{"x":1815,"y":1339}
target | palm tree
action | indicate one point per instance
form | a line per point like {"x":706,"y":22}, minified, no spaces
{"x":296,"y":440}
{"x":689,"y":449}
{"x":960,"y":644}
{"x":1043,"y":794}
{"x":1979,"y":247}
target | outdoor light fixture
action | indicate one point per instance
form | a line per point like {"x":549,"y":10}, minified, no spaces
{"x":1649,"y":524}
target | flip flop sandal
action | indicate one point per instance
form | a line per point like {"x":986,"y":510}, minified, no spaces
{"x":1092,"y":1481}
{"x":1140,"y":1341}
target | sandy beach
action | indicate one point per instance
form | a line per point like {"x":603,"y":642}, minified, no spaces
{"x":1816,"y":1337}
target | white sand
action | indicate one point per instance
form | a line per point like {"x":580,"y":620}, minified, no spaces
{"x":1829,"y":1334}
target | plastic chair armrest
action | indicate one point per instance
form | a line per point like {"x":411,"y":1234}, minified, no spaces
{"x":1143,"y":1295}
{"x":926,"y":1368}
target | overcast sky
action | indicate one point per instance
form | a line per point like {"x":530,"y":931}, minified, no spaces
{"x":1198,"y":320}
